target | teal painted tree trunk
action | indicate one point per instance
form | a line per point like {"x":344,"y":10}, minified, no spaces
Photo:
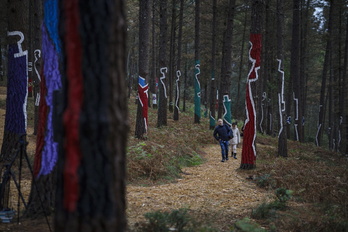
{"x":197,"y":93}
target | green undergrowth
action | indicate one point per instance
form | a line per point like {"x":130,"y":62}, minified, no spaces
{"x":161,"y":157}
{"x":175,"y":220}
{"x":318,"y":181}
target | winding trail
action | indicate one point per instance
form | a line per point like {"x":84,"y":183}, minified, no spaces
{"x":213,"y":188}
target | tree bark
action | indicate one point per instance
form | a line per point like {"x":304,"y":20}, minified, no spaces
{"x":237,"y":105}
{"x":249,"y":135}
{"x":305,"y":18}
{"x":162,"y":85}
{"x":295,"y":73}
{"x":282,"y":139}
{"x":37,"y":12}
{"x":17,"y":83}
{"x":143,"y":80}
{"x":91,"y":188}
{"x":3,"y":40}
{"x":154,"y":60}
{"x":197,"y":97}
{"x":172,"y":56}
{"x":212,"y":120}
{"x":226,"y":68}
{"x":344,"y":98}
{"x":178,"y":65}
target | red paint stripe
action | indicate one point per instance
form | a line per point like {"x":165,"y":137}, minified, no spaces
{"x":144,"y":99}
{"x":249,"y":132}
{"x":73,"y":51}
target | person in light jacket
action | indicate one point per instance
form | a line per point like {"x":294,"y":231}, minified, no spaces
{"x":235,"y":140}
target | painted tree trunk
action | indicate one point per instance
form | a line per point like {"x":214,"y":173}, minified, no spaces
{"x":17,"y":83}
{"x":143,"y":86}
{"x":162,"y":85}
{"x":91,"y":174}
{"x":172,"y":58}
{"x":37,"y":12}
{"x":197,"y":85}
{"x":178,"y":65}
{"x":46,"y":154}
{"x":197,"y":98}
{"x":282,"y":139}
{"x":248,"y":160}
{"x":295,"y":73}
{"x":249,"y":149}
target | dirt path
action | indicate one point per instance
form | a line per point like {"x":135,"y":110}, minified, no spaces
{"x":213,"y":187}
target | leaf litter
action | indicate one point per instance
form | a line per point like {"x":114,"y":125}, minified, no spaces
{"x":210,"y":187}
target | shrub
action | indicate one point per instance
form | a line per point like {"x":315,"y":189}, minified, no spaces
{"x":283,"y":194}
{"x":265,"y":181}
{"x":246,"y":225}
{"x":176,"y":220}
{"x":269,"y":210}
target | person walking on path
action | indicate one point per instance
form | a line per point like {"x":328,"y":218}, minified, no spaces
{"x":223,"y":133}
{"x":235,"y":140}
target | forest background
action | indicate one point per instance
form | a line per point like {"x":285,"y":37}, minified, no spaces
{"x":319,"y":41}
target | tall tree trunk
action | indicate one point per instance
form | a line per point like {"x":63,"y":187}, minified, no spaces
{"x":330,"y":130}
{"x":197,"y":96}
{"x":334,"y":61}
{"x":153,"y":78}
{"x":322,"y":102}
{"x":212,"y":119}
{"x":162,"y":108}
{"x":282,"y":139}
{"x":17,"y":83}
{"x":3,"y":40}
{"x":264,"y":92}
{"x":37,"y":12}
{"x":304,"y":60}
{"x":172,"y":55}
{"x":91,"y":189}
{"x":17,"y":91}
{"x":185,"y":83}
{"x":344,"y":98}
{"x":337,"y":72}
{"x":226,"y":68}
{"x":178,"y":65}
{"x":249,"y":148}
{"x":143,"y":86}
{"x":42,"y":195}
{"x":237,"y":105}
{"x":295,"y":72}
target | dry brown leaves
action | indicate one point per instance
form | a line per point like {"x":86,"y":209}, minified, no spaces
{"x":212,"y":187}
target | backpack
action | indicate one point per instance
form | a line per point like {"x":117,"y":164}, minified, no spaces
{"x":230,"y":132}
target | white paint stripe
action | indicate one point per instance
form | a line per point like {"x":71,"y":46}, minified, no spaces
{"x":197,"y":66}
{"x":178,"y":75}
{"x":228,"y":99}
{"x":37,"y":55}
{"x":163,"y":71}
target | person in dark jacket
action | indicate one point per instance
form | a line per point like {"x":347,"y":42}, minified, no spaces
{"x":223,"y":133}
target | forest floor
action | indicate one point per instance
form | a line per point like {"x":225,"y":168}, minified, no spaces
{"x":213,"y":188}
